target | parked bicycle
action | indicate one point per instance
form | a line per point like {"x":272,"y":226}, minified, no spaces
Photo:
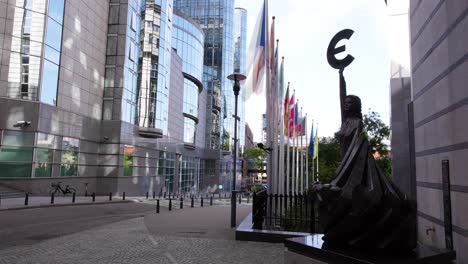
{"x":56,"y":188}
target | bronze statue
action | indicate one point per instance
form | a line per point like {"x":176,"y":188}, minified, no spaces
{"x":361,"y":208}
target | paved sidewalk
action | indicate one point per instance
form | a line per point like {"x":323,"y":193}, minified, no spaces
{"x":200,"y":235}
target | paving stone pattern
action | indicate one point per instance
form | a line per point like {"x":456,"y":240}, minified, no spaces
{"x":130,"y":242}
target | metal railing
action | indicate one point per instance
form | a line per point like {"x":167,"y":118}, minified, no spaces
{"x":296,"y":212}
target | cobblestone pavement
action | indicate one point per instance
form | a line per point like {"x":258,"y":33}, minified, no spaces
{"x":130,"y":242}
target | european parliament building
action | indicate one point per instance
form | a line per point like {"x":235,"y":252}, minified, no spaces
{"x":120,"y":95}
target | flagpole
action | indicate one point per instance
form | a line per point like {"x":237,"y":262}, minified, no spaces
{"x":316,"y":131}
{"x":296,"y":168}
{"x":306,"y":157}
{"x":281,"y":125}
{"x":270,"y":167}
{"x":301,"y":159}
{"x":288,"y":142}
{"x":312,"y":158}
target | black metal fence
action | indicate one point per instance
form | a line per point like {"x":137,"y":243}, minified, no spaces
{"x":297,"y":212}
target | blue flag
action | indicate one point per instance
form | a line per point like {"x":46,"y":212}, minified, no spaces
{"x":311,"y":143}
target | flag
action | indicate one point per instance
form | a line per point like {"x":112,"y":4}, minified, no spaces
{"x":312,"y":142}
{"x":286,"y":112}
{"x":291,"y":116}
{"x":272,"y":47}
{"x":256,"y":65}
{"x":300,"y":127}
{"x":296,"y":115}
{"x":316,"y":144}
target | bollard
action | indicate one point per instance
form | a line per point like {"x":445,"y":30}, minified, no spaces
{"x":147,"y":195}
{"x":201,"y":202}
{"x":26,"y":199}
{"x":211,"y":200}
{"x":123,"y":196}
{"x":170,"y":204}
{"x":219,"y":194}
{"x":110,"y":196}
{"x":181,"y":202}
{"x":52,"y":198}
{"x":94,"y":196}
{"x":73,"y":197}
{"x":248,"y":198}
{"x":224,"y":195}
{"x":240,"y":199}
{"x":154,"y":195}
{"x":157,"y":206}
{"x":191,"y":204}
{"x":164,"y":195}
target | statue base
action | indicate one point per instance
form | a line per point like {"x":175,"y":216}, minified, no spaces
{"x":308,"y":250}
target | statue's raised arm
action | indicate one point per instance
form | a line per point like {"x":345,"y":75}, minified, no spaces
{"x":342,"y":94}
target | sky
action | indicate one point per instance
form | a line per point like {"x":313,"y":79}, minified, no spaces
{"x":304,"y":29}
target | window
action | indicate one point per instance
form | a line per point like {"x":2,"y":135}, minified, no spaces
{"x":16,"y":154}
{"x":50,"y":73}
{"x":128,"y":160}
{"x":43,"y":160}
{"x":56,"y":10}
{"x":69,"y":161}
{"x":107,"y":112}
{"x":133,"y":21}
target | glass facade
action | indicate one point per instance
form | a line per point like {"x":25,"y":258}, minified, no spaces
{"x":35,"y":155}
{"x":166,"y":170}
{"x":120,"y":86}
{"x":36,"y":40}
{"x":69,"y":162}
{"x":216,"y":18}
{"x":154,"y":64}
{"x":187,"y":40}
{"x":187,"y":174}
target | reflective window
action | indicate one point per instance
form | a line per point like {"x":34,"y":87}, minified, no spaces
{"x":190,"y":98}
{"x":128,"y":160}
{"x":16,"y":153}
{"x":189,"y":130}
{"x":44,"y":152}
{"x":107,"y":112}
{"x":166,"y":170}
{"x":50,"y":73}
{"x":187,"y":174}
{"x":54,"y":34}
{"x":55,"y":10}
{"x":69,"y":161}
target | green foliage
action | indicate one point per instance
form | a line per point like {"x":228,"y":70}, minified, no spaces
{"x":329,"y":158}
{"x":385,"y":164}
{"x":377,"y":131}
{"x":226,"y":140}
{"x":254,"y":158}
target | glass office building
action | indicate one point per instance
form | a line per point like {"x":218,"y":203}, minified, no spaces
{"x":116,"y":95}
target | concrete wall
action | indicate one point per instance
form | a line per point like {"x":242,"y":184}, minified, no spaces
{"x":439,"y":47}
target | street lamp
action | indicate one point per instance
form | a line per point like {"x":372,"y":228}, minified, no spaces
{"x":236,"y":77}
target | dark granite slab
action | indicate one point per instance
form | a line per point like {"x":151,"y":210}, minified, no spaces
{"x":311,"y":246}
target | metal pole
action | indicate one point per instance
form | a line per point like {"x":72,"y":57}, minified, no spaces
{"x":233,"y":198}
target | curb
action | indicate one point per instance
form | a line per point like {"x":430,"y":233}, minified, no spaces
{"x":63,"y":205}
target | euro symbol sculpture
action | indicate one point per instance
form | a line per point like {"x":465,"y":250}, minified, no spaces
{"x":333,"y":50}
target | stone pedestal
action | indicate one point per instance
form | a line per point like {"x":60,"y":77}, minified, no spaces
{"x":308,"y":250}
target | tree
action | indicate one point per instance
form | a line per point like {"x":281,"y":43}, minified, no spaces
{"x":377,"y":131}
{"x":329,"y":152}
{"x":254,"y":158}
